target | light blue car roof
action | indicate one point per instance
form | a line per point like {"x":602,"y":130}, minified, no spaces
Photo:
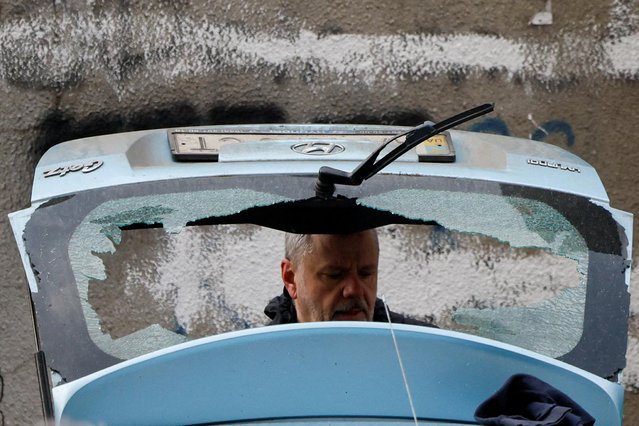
{"x":318,"y":371}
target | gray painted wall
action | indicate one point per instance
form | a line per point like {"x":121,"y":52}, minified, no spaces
{"x":71,"y":69}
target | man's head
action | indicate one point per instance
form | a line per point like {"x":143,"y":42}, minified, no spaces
{"x":332,"y":277}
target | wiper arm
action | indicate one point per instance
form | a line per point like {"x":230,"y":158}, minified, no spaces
{"x":328,"y":176}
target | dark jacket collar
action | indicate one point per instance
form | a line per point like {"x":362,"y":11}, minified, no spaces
{"x":281,"y":310}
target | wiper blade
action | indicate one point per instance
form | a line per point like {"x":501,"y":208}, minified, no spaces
{"x":329,"y":176}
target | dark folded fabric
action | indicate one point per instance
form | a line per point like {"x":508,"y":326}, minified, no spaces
{"x":525,"y":400}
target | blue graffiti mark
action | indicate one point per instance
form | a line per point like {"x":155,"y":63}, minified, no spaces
{"x":554,"y":127}
{"x":180,"y":330}
{"x":491,"y":125}
{"x":443,"y":238}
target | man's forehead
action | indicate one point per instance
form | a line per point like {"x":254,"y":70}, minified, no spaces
{"x":319,"y":241}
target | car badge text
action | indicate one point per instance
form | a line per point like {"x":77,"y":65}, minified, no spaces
{"x":84,"y":168}
{"x":318,"y":148}
{"x":552,"y":165}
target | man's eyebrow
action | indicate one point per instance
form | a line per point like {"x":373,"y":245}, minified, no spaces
{"x":332,"y":267}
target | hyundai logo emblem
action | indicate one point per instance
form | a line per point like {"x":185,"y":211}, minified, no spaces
{"x":318,"y":148}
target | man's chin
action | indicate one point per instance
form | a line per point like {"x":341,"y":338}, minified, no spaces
{"x":350,"y":316}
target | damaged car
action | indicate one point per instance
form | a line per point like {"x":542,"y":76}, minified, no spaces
{"x":151,"y":255}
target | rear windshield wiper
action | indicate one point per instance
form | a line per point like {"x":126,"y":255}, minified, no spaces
{"x":328,"y":176}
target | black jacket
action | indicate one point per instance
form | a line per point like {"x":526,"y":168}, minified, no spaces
{"x":281,"y":310}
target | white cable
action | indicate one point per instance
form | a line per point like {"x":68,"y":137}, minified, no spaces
{"x":401,"y":364}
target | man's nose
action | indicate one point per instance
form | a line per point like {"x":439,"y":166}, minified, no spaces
{"x":354,"y":287}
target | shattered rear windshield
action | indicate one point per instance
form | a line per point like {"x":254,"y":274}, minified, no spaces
{"x":145,"y":289}
{"x":155,"y":270}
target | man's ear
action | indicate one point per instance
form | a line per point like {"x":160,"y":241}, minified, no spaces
{"x":288,"y":277}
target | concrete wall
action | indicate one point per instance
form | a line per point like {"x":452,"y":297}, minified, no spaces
{"x":71,"y":69}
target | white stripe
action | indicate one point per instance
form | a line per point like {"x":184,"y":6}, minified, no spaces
{"x":55,"y":49}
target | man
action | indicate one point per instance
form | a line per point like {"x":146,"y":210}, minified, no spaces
{"x":331,"y":277}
